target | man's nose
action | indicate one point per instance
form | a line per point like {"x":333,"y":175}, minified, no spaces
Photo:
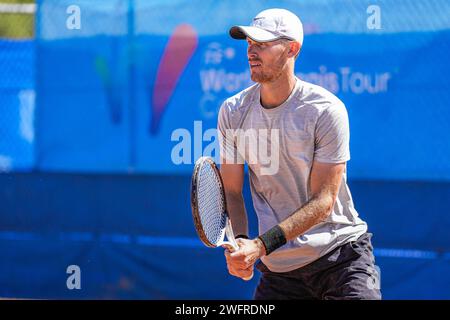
{"x":252,"y":55}
{"x":251,"y":51}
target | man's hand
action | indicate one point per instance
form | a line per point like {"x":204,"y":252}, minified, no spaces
{"x":241,"y":262}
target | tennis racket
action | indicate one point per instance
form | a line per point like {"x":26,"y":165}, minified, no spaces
{"x":209,"y":208}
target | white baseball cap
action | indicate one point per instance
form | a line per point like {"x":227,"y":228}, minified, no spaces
{"x":270,"y":25}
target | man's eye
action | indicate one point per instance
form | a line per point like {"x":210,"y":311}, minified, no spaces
{"x":257,"y":44}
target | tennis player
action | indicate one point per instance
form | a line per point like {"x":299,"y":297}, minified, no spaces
{"x":312,"y":243}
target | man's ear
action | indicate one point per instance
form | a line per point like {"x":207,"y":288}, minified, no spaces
{"x":294,"y":49}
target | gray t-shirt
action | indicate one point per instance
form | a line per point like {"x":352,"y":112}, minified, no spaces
{"x":279,"y":145}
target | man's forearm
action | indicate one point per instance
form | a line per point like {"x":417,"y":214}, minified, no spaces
{"x":316,"y":210}
{"x":313,"y":212}
{"x":238,"y":215}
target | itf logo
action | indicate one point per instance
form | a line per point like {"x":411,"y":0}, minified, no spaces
{"x":176,"y":56}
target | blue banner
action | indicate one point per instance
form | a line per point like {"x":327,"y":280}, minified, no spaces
{"x":17,"y":105}
{"x":132,"y":93}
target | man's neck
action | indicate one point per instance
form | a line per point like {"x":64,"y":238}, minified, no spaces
{"x":273,"y":94}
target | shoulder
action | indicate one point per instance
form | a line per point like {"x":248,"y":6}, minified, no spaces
{"x":240,"y":101}
{"x":320,"y":100}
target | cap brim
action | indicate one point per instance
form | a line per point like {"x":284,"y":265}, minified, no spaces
{"x":254,"y":33}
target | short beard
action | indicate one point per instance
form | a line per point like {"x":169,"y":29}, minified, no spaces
{"x":265,"y":77}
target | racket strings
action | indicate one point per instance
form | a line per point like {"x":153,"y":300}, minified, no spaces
{"x":211,"y":203}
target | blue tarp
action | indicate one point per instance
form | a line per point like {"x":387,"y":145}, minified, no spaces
{"x":133,"y":238}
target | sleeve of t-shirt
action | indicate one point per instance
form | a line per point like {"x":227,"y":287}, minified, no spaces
{"x":228,"y":149}
{"x":332,"y":142}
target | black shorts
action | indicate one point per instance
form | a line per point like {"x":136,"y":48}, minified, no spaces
{"x":347,"y":272}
